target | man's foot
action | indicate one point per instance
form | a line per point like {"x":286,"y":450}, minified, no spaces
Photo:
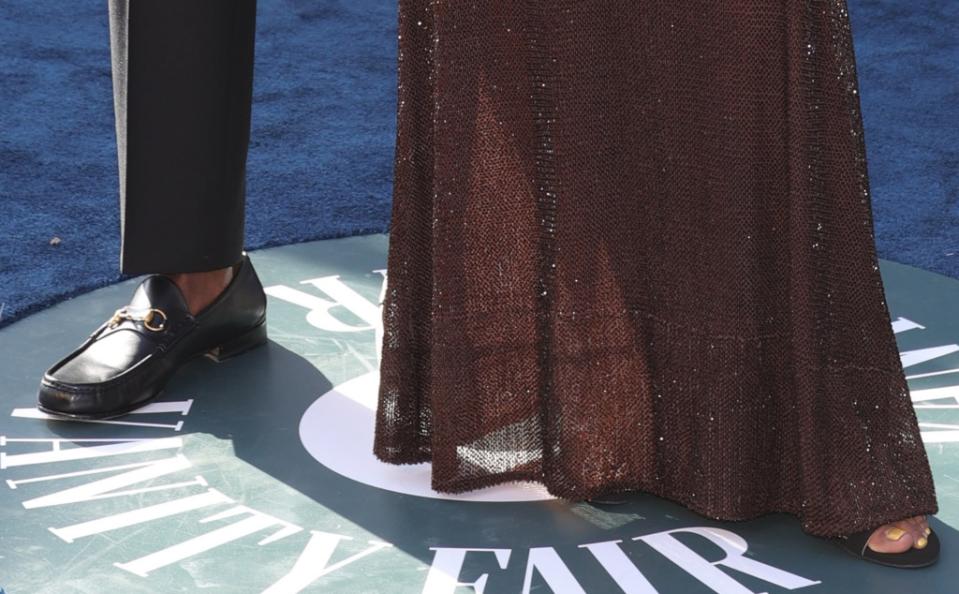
{"x":126,"y":362}
{"x":200,"y":289}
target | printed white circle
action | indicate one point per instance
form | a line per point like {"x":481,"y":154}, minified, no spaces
{"x":337,"y":430}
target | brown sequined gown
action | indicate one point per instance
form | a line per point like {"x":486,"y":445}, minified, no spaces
{"x":632,"y":249}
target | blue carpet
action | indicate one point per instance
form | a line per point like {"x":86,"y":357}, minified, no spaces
{"x":323,"y":123}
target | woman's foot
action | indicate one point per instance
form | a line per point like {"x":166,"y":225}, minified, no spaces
{"x":908,"y":543}
{"x":900,"y":536}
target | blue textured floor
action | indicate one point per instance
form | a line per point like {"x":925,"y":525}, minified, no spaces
{"x":323,"y":123}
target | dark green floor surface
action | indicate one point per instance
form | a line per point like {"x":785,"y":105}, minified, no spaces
{"x":255,"y":475}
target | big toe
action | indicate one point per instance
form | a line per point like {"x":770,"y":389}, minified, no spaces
{"x":891,"y":539}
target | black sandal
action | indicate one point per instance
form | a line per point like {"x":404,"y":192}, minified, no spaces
{"x":857,"y":545}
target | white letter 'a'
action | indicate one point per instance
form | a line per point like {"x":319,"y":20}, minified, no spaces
{"x":620,"y":568}
{"x":553,"y":571}
{"x":705,"y":571}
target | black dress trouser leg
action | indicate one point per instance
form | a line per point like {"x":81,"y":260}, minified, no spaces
{"x":182,"y":82}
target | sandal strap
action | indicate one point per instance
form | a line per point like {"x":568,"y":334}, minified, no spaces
{"x":858,"y":541}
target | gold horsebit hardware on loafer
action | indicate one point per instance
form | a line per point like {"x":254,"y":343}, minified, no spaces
{"x":149,"y":318}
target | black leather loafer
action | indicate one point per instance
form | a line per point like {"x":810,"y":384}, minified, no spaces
{"x":127,"y":361}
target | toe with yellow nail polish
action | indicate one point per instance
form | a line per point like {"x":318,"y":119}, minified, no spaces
{"x":894,"y":533}
{"x":923,"y":552}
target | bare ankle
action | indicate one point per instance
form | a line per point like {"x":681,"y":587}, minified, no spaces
{"x":200,"y":289}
